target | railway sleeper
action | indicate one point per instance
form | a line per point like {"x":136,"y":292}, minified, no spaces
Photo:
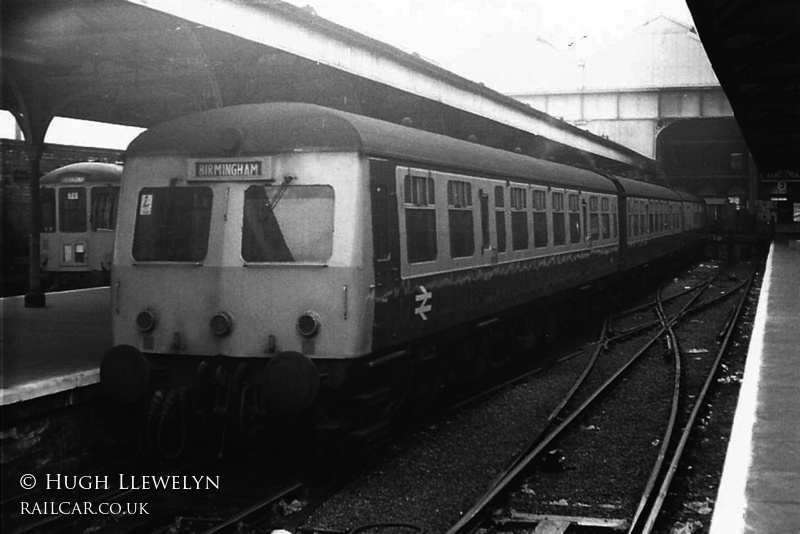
{"x":555,"y":524}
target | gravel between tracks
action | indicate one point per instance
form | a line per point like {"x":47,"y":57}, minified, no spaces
{"x":431,"y":477}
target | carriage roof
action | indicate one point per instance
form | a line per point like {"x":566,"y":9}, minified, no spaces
{"x":84,"y":172}
{"x":253,"y":130}
{"x":637,"y":188}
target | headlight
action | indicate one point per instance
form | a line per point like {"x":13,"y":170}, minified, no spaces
{"x":146,"y":320}
{"x":221,"y":324}
{"x":308,"y":324}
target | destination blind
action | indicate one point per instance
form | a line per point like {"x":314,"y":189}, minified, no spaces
{"x":220,"y":169}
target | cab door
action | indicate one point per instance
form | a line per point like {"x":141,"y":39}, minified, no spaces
{"x":386,"y":250}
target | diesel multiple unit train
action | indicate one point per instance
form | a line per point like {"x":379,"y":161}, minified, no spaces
{"x":289,"y":258}
{"x":79,"y":215}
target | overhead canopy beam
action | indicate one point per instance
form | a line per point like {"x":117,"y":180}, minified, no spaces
{"x":285,"y":28}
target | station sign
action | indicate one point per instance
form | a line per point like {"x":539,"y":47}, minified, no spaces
{"x":230,"y":169}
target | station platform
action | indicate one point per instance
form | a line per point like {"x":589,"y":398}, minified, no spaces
{"x":53,"y":349}
{"x":760,"y":488}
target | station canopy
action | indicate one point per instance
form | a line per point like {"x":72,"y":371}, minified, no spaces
{"x":754,"y":48}
{"x":142,"y":62}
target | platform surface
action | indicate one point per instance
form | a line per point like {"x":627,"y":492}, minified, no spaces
{"x":760,"y":488}
{"x":52,"y":349}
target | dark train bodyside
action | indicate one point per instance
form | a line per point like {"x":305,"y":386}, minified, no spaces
{"x":483,"y":292}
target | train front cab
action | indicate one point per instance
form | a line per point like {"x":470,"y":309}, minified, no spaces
{"x":79,"y":213}
{"x":239,"y":273}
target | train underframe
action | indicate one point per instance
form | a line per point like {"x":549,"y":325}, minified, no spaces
{"x":349,"y":403}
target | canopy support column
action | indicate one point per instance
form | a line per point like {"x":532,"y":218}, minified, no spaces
{"x":34,"y":120}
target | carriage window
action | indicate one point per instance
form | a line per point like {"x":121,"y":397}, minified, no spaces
{"x":47,"y":200}
{"x":594,"y":226}
{"x":419,"y":190}
{"x":605,"y":217}
{"x":559,"y":236}
{"x":574,"y":220}
{"x":519,"y":219}
{"x":500,"y":217}
{"x":420,"y":215}
{"x":539,"y":219}
{"x":642,"y":218}
{"x":459,"y":202}
{"x":172,"y":224}
{"x":630,"y":219}
{"x":614,"y":216}
{"x":594,"y":218}
{"x":657,"y":217}
{"x":485,"y":238}
{"x":104,"y":208}
{"x":72,"y":212}
{"x":287,"y":223}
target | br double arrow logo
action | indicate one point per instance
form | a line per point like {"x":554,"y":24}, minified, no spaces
{"x":423,"y":297}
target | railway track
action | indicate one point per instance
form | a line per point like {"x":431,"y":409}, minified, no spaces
{"x":488,"y":512}
{"x":512,"y":490}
